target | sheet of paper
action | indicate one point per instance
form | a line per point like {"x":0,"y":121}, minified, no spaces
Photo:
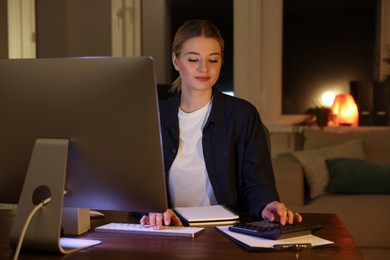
{"x":258,"y":242}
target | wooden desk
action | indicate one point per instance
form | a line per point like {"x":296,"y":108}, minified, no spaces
{"x":209,"y":245}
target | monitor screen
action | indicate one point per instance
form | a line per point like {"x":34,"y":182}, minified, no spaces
{"x":108,"y":110}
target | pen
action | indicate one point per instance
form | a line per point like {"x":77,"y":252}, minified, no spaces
{"x":296,"y":246}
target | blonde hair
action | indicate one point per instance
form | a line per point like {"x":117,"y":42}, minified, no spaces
{"x":191,"y":29}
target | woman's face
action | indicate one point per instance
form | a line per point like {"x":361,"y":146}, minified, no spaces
{"x":199,"y":63}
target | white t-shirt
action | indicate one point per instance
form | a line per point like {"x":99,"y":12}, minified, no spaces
{"x":189,"y":184}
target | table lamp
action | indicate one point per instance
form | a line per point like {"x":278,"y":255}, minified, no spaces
{"x":345,"y":111}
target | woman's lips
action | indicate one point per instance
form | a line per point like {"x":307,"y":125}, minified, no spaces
{"x":203,"y":79}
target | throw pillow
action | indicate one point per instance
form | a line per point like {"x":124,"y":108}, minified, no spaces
{"x":314,"y":165}
{"x":348,"y":175}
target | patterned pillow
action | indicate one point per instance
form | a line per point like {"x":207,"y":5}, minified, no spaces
{"x":313,"y":162}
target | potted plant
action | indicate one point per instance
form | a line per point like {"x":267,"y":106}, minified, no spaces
{"x":314,"y":116}
{"x":317,"y":116}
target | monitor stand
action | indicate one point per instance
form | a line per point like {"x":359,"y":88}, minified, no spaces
{"x":45,"y":179}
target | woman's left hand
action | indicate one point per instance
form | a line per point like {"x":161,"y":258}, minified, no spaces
{"x":158,"y":220}
{"x":278,"y":212}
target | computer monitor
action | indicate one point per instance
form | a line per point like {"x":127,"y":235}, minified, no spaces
{"x":89,"y":126}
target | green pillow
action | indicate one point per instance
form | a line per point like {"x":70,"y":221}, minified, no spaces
{"x":350,"y":175}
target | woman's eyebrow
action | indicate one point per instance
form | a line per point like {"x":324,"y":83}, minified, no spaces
{"x":192,"y":52}
{"x":197,"y":53}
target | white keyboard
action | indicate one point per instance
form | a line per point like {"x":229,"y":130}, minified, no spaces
{"x":178,"y":231}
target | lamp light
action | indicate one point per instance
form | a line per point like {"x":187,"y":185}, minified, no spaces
{"x":345,"y":111}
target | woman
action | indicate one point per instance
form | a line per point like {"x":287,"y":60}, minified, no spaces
{"x":215,"y":148}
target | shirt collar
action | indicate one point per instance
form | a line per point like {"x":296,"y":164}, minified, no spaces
{"x":217,"y":113}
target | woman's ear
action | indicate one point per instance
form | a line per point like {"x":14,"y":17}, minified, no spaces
{"x":174,"y":62}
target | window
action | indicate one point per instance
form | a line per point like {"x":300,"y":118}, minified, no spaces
{"x":326,"y":44}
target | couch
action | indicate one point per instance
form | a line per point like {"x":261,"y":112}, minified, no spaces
{"x":344,"y":172}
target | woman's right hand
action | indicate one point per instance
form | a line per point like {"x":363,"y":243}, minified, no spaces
{"x":159,"y":219}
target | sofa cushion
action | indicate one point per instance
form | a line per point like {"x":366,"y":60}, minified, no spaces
{"x":290,"y":179}
{"x":376,"y":142}
{"x":350,"y":175}
{"x":314,"y":165}
{"x":366,"y":216}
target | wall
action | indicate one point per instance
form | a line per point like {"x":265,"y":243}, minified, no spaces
{"x":3,"y":30}
{"x":155,"y":37}
{"x":78,"y":28}
{"x":69,"y":28}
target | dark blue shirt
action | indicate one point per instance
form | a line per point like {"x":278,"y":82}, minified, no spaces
{"x":235,"y":150}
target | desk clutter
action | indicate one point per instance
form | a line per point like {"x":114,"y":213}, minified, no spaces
{"x":274,"y":236}
{"x":299,"y":240}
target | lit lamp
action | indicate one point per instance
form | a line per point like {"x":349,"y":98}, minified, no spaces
{"x":345,"y":111}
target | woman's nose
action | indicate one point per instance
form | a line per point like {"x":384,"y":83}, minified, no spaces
{"x":202,"y":66}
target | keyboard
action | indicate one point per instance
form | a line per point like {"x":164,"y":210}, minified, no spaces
{"x":271,"y":230}
{"x":177,"y":231}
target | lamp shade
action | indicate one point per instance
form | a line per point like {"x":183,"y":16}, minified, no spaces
{"x":345,"y":111}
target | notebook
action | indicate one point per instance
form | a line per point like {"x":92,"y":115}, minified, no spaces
{"x":207,"y":215}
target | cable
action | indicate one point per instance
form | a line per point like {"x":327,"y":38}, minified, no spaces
{"x":32,"y":213}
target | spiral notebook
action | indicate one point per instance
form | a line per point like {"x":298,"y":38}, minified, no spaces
{"x":208,"y":215}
